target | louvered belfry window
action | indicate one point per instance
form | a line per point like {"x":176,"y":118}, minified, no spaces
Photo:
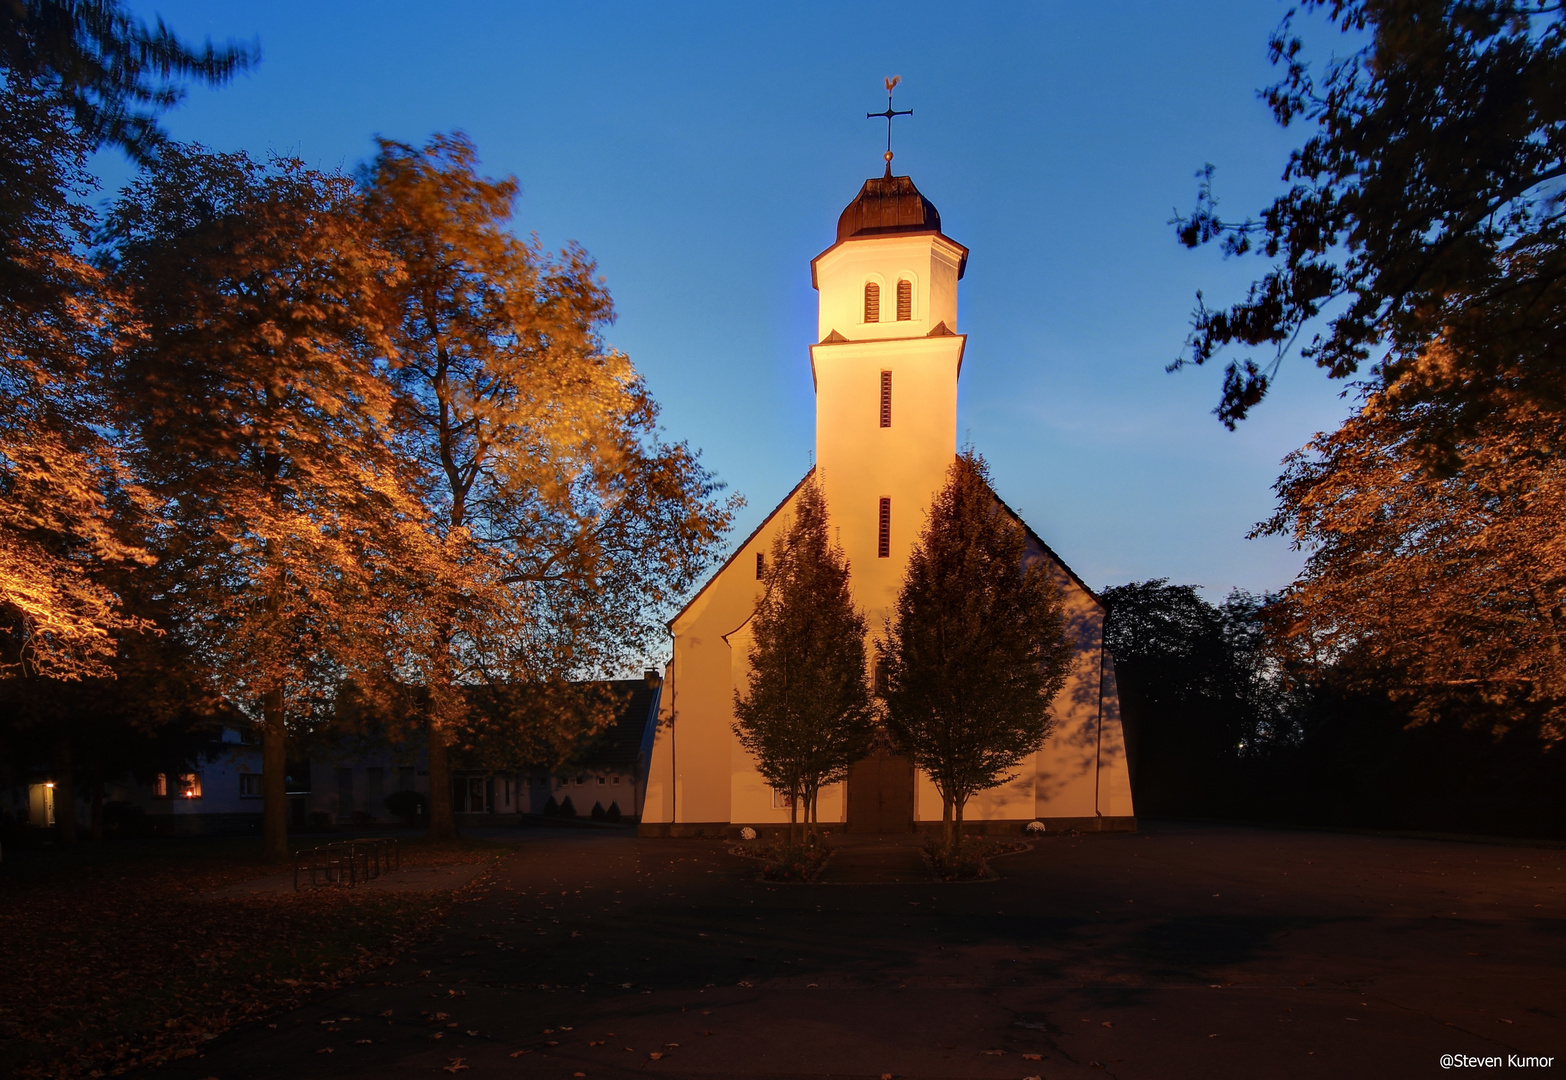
{"x":883,"y":544}
{"x":761,"y":565}
{"x":886,"y":399}
{"x":872,"y":302}
{"x":904,"y":300}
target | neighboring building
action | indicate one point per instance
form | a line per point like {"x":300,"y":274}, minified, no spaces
{"x":611,"y":774}
{"x":220,"y":792}
{"x":885,"y":369}
{"x":349,"y":784}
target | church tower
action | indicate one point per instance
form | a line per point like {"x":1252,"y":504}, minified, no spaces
{"x":885,"y":366}
{"x":886,"y":358}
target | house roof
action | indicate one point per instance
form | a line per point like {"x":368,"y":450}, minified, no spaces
{"x":619,"y":745}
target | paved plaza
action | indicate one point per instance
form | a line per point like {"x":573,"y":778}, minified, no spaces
{"x":1178,"y":951}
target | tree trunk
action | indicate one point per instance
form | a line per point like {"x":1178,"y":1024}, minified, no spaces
{"x":957,"y":805}
{"x":64,"y":793}
{"x":97,"y":802}
{"x":946,"y":820}
{"x":793,"y":814}
{"x":274,"y":782}
{"x":443,"y":823}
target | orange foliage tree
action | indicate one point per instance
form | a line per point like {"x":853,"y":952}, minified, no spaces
{"x":564,"y":525}
{"x":259,"y":414}
{"x":1445,"y":584}
{"x":58,"y":474}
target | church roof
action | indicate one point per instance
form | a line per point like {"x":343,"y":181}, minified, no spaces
{"x":888,"y":204}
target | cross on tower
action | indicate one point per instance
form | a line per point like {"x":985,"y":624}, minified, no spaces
{"x":891,"y":84}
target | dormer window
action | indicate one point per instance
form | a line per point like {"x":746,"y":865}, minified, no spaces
{"x":904,"y":300}
{"x":872,"y":302}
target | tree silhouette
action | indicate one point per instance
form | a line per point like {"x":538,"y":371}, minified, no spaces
{"x":977,"y":648}
{"x":806,"y":713}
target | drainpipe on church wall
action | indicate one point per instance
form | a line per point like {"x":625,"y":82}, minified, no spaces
{"x":1098,"y":727}
{"x":674,"y":772}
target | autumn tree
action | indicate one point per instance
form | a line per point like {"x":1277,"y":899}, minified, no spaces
{"x":806,"y":714}
{"x":1447,"y":589}
{"x":564,"y":526}
{"x":59,"y":475}
{"x":75,"y":75}
{"x":977,"y":647}
{"x":1423,"y":211}
{"x":258,"y":417}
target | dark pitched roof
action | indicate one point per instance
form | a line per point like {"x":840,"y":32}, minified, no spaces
{"x":619,"y":746}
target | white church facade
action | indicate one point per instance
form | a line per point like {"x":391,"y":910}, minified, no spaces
{"x":886,"y":364}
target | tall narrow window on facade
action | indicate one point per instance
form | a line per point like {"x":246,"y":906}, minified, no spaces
{"x":761,"y":565}
{"x":872,"y":302}
{"x":883,"y":544}
{"x":904,"y":300}
{"x":886,"y":399}
{"x":878,"y":678}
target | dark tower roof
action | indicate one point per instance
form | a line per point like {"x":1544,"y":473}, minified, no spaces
{"x":888,"y":204}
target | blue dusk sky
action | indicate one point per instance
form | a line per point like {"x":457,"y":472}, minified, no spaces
{"x":702,"y":153}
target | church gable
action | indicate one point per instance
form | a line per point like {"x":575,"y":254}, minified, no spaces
{"x":885,"y":367}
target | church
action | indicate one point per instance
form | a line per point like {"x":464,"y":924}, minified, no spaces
{"x":887,"y":358}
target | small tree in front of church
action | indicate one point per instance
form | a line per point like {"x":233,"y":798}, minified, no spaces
{"x":806,"y":714}
{"x":977,"y":649}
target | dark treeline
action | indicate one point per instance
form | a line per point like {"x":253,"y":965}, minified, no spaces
{"x":1219,"y":723}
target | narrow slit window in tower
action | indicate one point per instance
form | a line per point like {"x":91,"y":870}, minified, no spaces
{"x":904,"y":300}
{"x":886,"y":399}
{"x":872,"y":302}
{"x":883,"y":544}
{"x":761,"y":565}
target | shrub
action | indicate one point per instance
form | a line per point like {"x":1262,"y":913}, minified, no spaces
{"x":614,"y":813}
{"x":566,"y":809}
{"x":969,"y":861}
{"x":551,"y":808}
{"x":408,"y":805}
{"x":782,"y":861}
{"x":598,"y":811}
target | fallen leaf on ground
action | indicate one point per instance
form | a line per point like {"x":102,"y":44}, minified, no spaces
{"x":1032,"y":1057}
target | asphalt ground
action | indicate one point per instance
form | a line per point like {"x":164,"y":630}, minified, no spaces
{"x":1179,"y":951}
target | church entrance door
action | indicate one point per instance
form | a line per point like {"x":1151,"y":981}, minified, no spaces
{"x":880,"y":793}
